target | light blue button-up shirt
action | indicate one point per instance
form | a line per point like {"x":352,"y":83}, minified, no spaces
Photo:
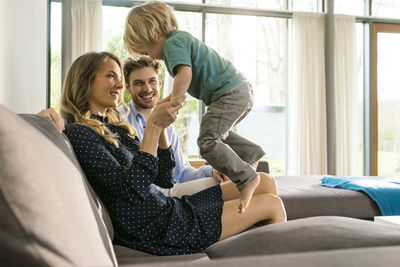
{"x":183,"y":171}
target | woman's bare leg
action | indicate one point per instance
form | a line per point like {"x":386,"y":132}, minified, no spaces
{"x":267,"y":185}
{"x":262,"y":207}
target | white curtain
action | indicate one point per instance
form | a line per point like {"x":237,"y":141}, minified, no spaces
{"x":82,"y":29}
{"x":345,"y":96}
{"x":307,"y":135}
{"x":87,"y":26}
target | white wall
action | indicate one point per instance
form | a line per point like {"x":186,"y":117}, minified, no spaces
{"x":23,"y":29}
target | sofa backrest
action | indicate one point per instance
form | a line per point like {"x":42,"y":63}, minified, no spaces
{"x":47,"y":127}
{"x":49,"y":216}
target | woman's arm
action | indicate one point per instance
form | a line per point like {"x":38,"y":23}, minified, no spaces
{"x":163,"y":142}
{"x":150,"y":139}
{"x":109,"y":177}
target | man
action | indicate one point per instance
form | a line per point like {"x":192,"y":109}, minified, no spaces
{"x":143,"y":81}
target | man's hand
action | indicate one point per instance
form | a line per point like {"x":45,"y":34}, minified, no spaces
{"x":52,"y":114}
{"x":219,"y":176}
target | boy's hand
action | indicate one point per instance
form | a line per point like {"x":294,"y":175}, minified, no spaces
{"x":219,"y":176}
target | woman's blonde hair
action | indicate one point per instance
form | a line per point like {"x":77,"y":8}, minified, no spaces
{"x":146,"y":21}
{"x":75,"y":96}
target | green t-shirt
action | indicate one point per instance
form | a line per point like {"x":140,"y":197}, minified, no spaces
{"x":212,"y":75}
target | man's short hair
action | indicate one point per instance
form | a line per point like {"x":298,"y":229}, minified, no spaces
{"x":139,"y":63}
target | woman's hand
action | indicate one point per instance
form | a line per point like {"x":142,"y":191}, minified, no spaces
{"x":161,"y":117}
{"x":165,"y":113}
{"x":53,"y":114}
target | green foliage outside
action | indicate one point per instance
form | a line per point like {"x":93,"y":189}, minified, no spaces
{"x":55,"y":81}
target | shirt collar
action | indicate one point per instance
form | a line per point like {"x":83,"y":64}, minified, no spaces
{"x":99,"y":118}
{"x":135,"y":112}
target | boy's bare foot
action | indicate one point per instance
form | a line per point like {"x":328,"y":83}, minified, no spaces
{"x":247,"y":193}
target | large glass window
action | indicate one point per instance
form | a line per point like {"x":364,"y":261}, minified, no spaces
{"x":388,"y":103}
{"x":257,"y":46}
{"x":55,"y":44}
{"x":353,"y":7}
{"x":187,"y":123}
{"x":295,"y":5}
{"x":265,"y":4}
{"x":386,"y":8}
{"x":113,"y":30}
{"x":360,"y":96}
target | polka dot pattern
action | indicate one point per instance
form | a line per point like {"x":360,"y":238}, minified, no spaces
{"x":142,"y":216}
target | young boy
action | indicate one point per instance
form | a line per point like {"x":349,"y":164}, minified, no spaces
{"x":152,"y":29}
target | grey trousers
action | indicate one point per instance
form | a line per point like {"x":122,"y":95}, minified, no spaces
{"x":224,"y":149}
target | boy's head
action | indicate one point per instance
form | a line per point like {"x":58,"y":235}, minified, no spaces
{"x":145,"y":22}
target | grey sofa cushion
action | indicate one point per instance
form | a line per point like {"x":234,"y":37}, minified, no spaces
{"x":130,"y":256}
{"x":309,"y":234}
{"x":47,"y":127}
{"x":358,"y":257}
{"x":303,"y":197}
{"x":46,"y":214}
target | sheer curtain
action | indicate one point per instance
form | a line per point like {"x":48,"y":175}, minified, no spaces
{"x":345,"y":96}
{"x":307,"y":141}
{"x":82,"y":29}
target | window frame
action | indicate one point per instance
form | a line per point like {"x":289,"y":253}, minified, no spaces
{"x":369,"y":111}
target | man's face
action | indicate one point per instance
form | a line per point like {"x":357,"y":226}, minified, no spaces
{"x":144,"y":86}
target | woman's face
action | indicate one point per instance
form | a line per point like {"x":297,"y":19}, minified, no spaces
{"x":106,"y":89}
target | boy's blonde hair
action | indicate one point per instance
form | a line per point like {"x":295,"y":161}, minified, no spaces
{"x":146,"y":21}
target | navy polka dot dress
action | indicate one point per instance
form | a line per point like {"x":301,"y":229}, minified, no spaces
{"x":142,"y":216}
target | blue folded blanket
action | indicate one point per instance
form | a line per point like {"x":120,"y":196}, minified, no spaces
{"x":386,"y":192}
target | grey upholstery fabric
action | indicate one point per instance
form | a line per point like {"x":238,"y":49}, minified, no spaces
{"x":365,"y":257}
{"x":126,"y":255}
{"x":303,"y":197}
{"x":47,"y":127}
{"x":310,"y":234}
{"x":46,"y":214}
{"x":263,"y":166}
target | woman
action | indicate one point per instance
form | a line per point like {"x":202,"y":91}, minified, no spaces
{"x":122,"y":171}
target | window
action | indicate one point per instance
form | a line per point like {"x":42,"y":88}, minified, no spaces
{"x":386,"y":99}
{"x":360,"y":95}
{"x":55,"y":70}
{"x":266,"y":47}
{"x":386,"y":8}
{"x":257,"y":46}
{"x":265,"y":4}
{"x":295,"y":5}
{"x":353,"y":7}
{"x":188,"y":123}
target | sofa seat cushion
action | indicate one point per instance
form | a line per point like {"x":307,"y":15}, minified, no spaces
{"x":357,"y":257}
{"x":309,"y":234}
{"x":304,"y":197}
{"x":47,"y":217}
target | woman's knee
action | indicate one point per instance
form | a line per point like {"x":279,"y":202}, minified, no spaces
{"x":274,"y":207}
{"x":268,"y":183}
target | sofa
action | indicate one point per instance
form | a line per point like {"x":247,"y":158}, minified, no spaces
{"x":50,"y":216}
